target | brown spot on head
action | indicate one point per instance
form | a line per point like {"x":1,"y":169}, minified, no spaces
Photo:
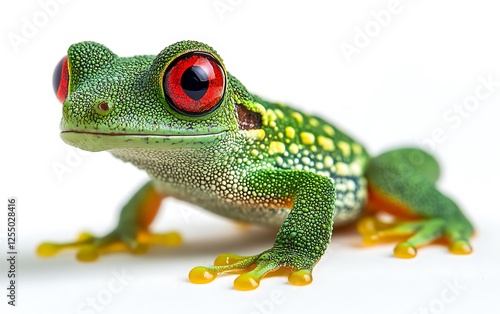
{"x":247,"y":119}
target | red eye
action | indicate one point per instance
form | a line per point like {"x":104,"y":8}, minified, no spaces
{"x":194,"y":84}
{"x":60,"y":79}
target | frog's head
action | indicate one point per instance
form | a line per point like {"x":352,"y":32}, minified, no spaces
{"x":181,"y":98}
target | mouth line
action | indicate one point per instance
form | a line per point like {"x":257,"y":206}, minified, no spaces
{"x":99,"y":141}
{"x":142,"y":134}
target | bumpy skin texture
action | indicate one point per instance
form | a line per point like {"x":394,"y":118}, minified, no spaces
{"x":247,"y":159}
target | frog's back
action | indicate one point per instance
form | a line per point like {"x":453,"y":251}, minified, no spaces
{"x":299,"y":141}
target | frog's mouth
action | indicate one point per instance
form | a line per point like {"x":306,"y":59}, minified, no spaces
{"x":95,"y":142}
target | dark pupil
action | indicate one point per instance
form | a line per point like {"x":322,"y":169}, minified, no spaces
{"x":194,"y":82}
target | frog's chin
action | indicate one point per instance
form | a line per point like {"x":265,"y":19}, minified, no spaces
{"x":96,"y":142}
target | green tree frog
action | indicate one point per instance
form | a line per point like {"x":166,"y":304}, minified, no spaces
{"x":204,"y":139}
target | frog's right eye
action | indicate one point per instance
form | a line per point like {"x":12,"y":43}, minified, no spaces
{"x":60,"y":79}
{"x":194,"y":84}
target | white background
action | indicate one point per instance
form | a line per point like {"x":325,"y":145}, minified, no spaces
{"x":395,"y":90}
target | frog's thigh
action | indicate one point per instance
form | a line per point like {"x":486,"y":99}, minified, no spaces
{"x":402,"y":183}
{"x":398,"y":179}
{"x":149,"y":206}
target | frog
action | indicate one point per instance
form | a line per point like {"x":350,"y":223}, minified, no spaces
{"x":204,"y":139}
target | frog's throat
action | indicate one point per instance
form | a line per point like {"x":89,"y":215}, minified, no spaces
{"x":96,"y":142}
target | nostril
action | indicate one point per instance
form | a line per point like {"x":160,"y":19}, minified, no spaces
{"x":103,"y":106}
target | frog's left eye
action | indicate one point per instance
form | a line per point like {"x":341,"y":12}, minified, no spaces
{"x":194,"y":84}
{"x":60,"y":79}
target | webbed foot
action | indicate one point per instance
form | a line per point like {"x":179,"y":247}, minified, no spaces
{"x":414,"y":234}
{"x":89,"y":247}
{"x":253,"y":268}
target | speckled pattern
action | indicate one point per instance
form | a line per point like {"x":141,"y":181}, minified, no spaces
{"x":242,"y":157}
{"x":214,"y":175}
{"x":287,"y":139}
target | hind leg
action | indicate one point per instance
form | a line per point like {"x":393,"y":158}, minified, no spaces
{"x":131,"y":234}
{"x":402,"y":183}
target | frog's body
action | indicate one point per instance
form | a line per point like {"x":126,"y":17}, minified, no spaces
{"x":204,"y":139}
{"x":287,"y":140}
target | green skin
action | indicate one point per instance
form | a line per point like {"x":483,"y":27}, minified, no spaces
{"x":295,"y":170}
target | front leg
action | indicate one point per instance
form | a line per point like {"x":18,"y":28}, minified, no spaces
{"x":302,"y":239}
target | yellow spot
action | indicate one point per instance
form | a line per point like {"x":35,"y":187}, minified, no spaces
{"x":342,"y":168}
{"x":298,"y":117}
{"x":289,"y":132}
{"x":258,"y":134}
{"x":307,"y":138}
{"x":356,"y":148}
{"x":279,"y":160}
{"x":306,"y":160}
{"x":326,"y":143}
{"x":313,"y":122}
{"x":272,"y":124}
{"x":254,"y":152}
{"x":328,"y":130}
{"x":276,"y":147}
{"x":279,"y":113}
{"x":271,"y":114}
{"x":345,"y":148}
{"x":328,"y":162}
{"x":293,"y":149}
{"x":356,"y":168}
{"x":269,"y":117}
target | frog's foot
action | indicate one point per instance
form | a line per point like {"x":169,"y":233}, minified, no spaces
{"x":415,"y":234}
{"x":89,"y":247}
{"x":254,"y":268}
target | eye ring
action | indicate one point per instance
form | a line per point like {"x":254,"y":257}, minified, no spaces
{"x":194,"y":84}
